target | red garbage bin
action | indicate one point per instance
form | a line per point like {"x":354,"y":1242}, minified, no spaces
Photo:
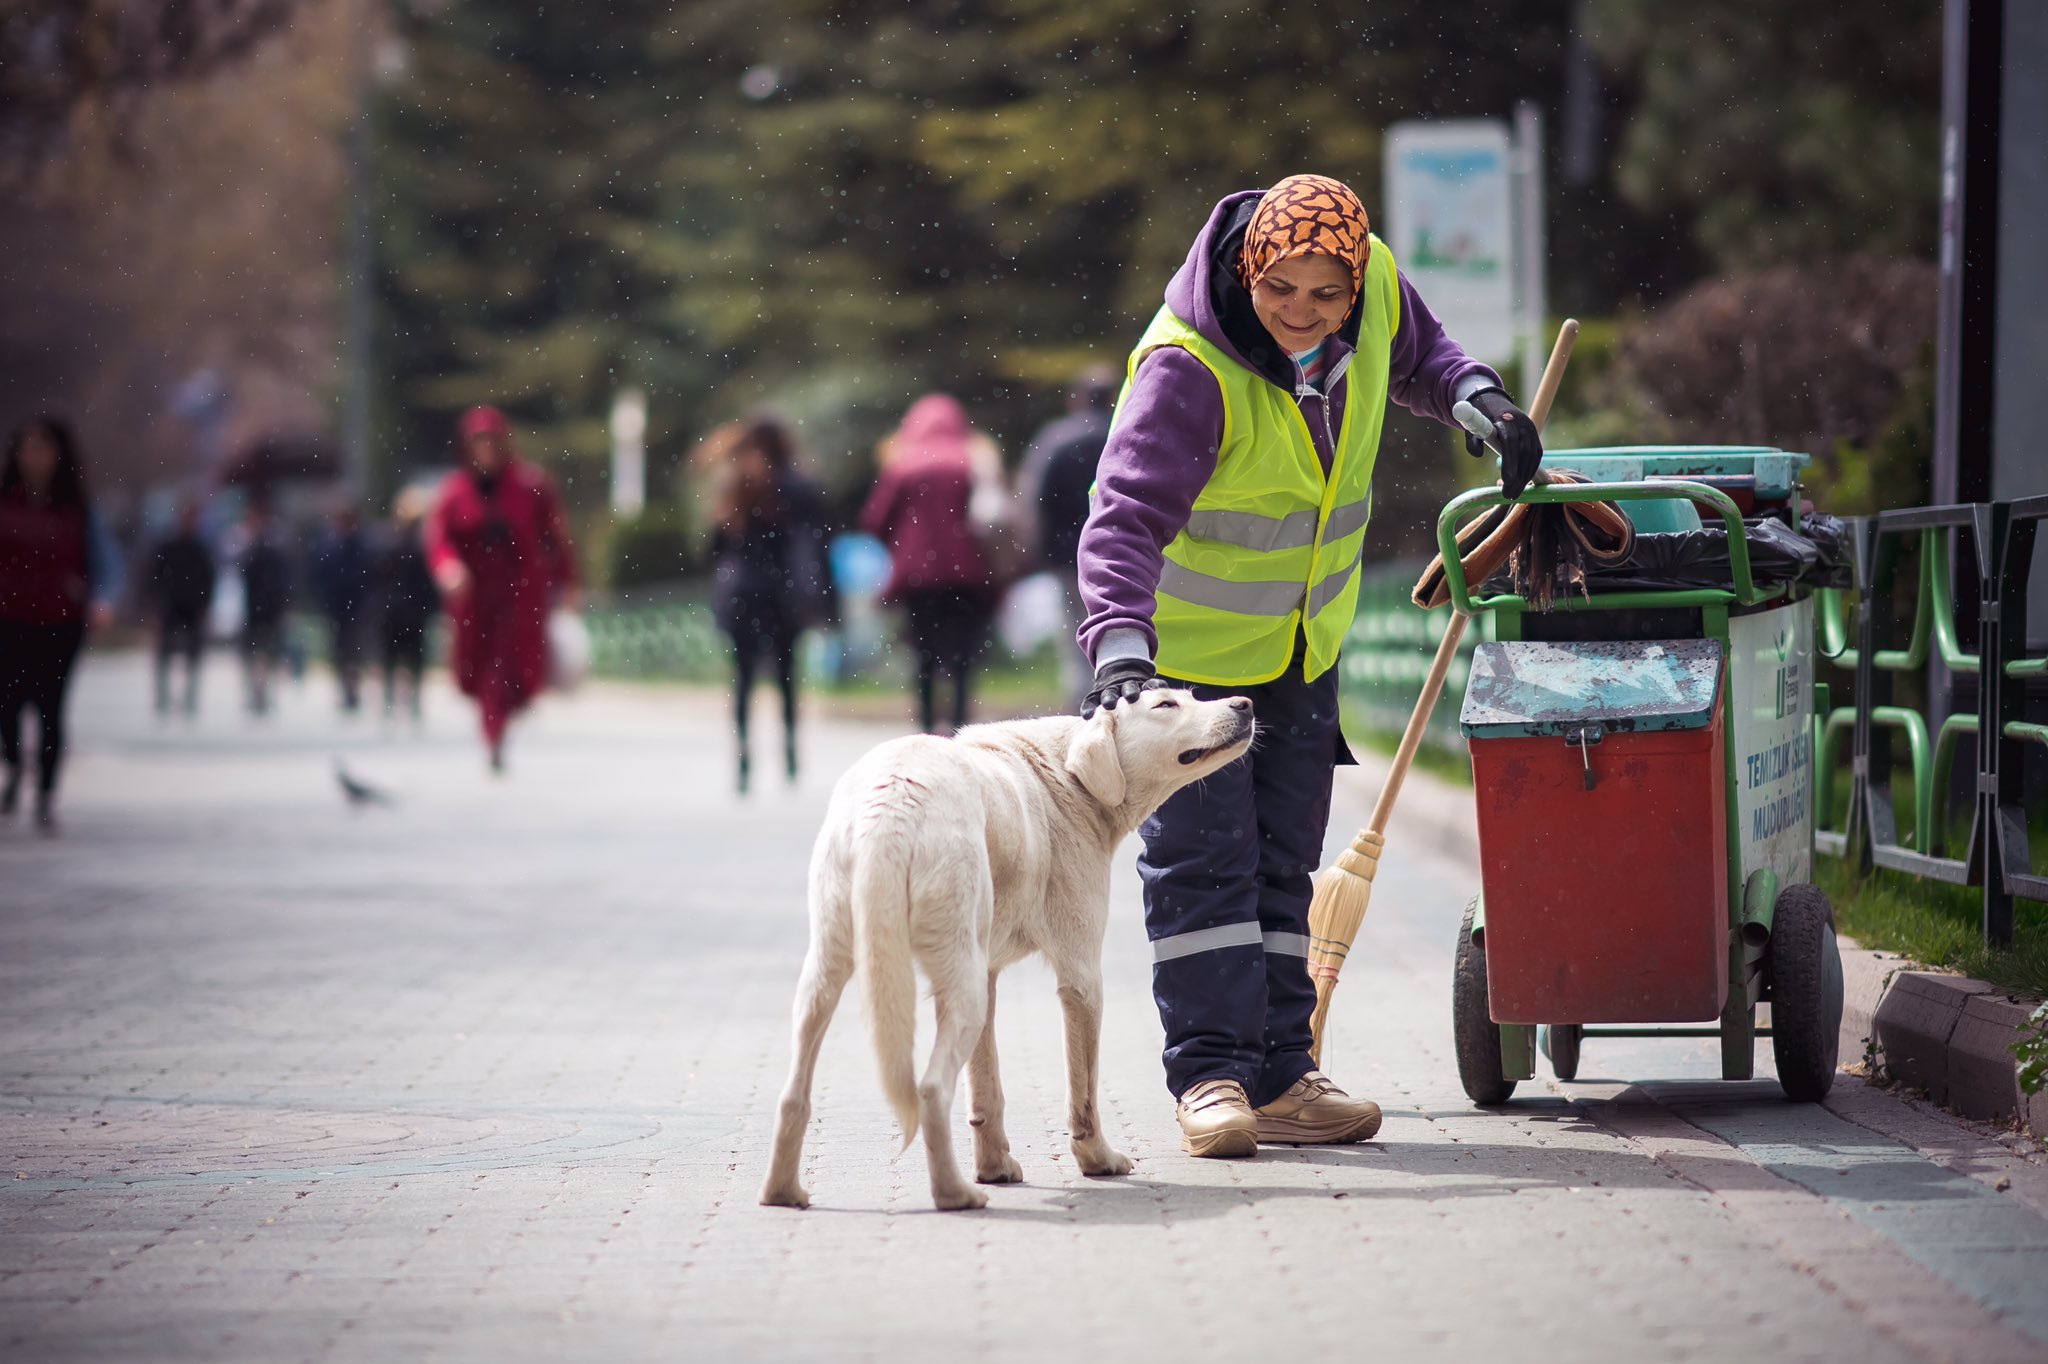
{"x":1601,"y":786}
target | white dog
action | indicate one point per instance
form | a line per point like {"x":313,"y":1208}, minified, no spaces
{"x":963,"y":856}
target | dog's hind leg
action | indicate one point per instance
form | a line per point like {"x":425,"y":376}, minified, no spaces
{"x":993,"y":1163}
{"x":962,"y":1005}
{"x":826,"y":968}
{"x":1081,"y":999}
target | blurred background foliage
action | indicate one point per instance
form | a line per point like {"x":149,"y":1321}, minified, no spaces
{"x":829,"y":207}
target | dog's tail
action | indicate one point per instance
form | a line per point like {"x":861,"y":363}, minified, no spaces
{"x":881,"y":929}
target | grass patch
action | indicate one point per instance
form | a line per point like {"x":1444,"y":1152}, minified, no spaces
{"x":1936,"y":923}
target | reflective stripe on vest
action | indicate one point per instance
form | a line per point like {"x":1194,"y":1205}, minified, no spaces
{"x":1272,"y":546}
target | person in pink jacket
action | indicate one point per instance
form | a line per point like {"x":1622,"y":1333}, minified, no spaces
{"x":938,"y":570}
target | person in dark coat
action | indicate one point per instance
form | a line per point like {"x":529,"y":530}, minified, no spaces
{"x":407,"y":601}
{"x":498,"y":544}
{"x":180,"y":588}
{"x":59,"y":575}
{"x":773,"y":576}
{"x":938,"y":569}
{"x":1059,"y":469}
{"x":266,"y":567}
{"x":341,"y":575}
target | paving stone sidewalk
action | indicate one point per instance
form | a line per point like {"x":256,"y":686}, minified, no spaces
{"x":489,"y":1074}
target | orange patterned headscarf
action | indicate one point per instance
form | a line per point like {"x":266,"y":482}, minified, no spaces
{"x":1306,"y":215}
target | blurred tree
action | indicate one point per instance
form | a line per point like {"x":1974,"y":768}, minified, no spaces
{"x":516,"y":180}
{"x":80,"y":67}
{"x":1800,"y":136}
{"x":832,"y":206}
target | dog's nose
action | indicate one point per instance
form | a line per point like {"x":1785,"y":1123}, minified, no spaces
{"x":1241,"y":703}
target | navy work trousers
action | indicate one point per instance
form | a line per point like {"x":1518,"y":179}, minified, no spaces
{"x":1228,"y":867}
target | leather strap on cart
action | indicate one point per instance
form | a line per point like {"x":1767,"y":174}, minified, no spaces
{"x":1543,"y":549}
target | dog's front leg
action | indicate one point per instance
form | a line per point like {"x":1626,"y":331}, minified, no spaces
{"x":1081,"y":999}
{"x":993,"y":1163}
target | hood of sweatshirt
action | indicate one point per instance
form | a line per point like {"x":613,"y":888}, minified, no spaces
{"x":1205,"y":294}
{"x":935,"y":429}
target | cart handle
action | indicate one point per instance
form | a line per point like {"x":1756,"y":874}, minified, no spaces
{"x":1746,"y":592}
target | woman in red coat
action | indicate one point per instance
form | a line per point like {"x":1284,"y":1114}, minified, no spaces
{"x":499,"y":549}
{"x":938,"y":570}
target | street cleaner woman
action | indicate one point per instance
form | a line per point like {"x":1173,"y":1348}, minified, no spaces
{"x":1222,"y":555}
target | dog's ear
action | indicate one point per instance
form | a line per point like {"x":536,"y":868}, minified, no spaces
{"x":1092,"y":759}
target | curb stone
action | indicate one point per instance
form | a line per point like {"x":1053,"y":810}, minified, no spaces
{"x":1952,"y":1037}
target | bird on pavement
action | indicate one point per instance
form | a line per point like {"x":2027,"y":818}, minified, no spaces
{"x":359,"y":793}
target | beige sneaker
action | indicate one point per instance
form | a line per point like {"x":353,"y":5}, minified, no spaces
{"x":1216,"y":1120}
{"x":1314,"y":1111}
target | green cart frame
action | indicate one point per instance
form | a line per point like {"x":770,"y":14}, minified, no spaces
{"x":1781,"y":934}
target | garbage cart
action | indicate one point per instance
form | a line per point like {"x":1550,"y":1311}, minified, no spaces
{"x":1642,"y":758}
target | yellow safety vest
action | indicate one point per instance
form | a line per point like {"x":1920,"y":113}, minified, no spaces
{"x":1273,"y":545}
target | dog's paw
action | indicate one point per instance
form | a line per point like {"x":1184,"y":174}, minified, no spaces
{"x":786,"y":1196}
{"x":1008,"y":1171}
{"x":960,"y":1200}
{"x":1103,"y":1162}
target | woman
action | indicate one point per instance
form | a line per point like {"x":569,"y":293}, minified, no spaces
{"x":773,"y":577}
{"x":408,"y":600}
{"x":1222,"y":554}
{"x":938,"y":570}
{"x":499,"y":548}
{"x":58,"y":574}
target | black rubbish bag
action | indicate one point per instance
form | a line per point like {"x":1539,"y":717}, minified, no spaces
{"x":1815,"y":555}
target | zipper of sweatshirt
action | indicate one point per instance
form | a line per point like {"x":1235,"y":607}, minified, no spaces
{"x":1304,"y":389}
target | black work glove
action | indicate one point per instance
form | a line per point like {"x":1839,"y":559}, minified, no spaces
{"x":1120,"y":679}
{"x":1514,"y":435}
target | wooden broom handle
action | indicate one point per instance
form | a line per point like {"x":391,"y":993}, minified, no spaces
{"x":1447,"y":647}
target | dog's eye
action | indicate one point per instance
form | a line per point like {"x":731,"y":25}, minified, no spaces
{"x":1164,"y":704}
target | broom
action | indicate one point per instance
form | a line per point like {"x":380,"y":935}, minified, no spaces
{"x":1344,"y":889}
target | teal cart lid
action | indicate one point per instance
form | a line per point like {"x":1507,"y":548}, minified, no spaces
{"x":1519,"y":689}
{"x":1776,"y":473}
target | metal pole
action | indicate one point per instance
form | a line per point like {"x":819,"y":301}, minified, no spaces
{"x":1966,"y":363}
{"x":629,"y":452}
{"x":355,"y":412}
{"x":1532,"y":302}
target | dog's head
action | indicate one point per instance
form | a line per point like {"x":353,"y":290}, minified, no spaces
{"x":1136,"y":754}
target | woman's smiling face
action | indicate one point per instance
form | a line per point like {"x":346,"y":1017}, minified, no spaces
{"x":1303,"y":299}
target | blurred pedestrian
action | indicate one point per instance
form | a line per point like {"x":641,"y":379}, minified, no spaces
{"x":180,"y":589}
{"x":266,"y":568}
{"x":774,"y":577}
{"x":59,"y":575}
{"x":939,"y":571}
{"x":407,"y":601}
{"x":341,"y":577}
{"x":1058,"y":471}
{"x":498,"y":544}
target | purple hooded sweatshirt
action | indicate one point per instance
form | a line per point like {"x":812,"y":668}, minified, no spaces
{"x":1163,"y":448}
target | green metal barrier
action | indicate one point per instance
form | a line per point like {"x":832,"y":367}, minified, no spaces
{"x":669,"y":640}
{"x":1854,"y":626}
{"x":1388,"y":653}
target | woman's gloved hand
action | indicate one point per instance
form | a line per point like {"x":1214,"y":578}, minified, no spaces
{"x":1120,"y":679}
{"x":1514,"y":435}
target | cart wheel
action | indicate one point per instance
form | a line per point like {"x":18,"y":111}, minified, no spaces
{"x":1478,"y":1035}
{"x":1804,"y":973}
{"x":1561,"y":1045}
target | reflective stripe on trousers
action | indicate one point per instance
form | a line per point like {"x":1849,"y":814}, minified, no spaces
{"x":1229,"y":935}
